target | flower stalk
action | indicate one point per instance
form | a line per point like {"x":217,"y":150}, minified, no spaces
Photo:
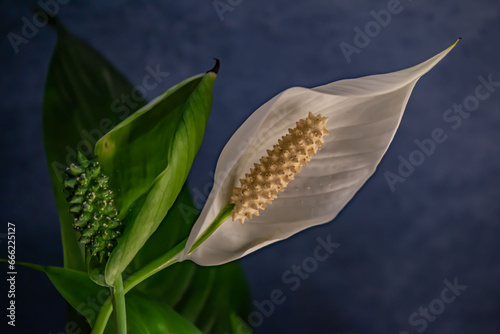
{"x":119,"y":306}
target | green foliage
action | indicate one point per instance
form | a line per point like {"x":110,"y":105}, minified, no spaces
{"x":147,"y":158}
{"x":143,"y":314}
{"x":78,"y":108}
{"x":150,"y":316}
{"x":204,"y":295}
{"x":76,"y":287}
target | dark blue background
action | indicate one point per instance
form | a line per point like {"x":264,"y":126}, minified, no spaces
{"x":396,"y":247}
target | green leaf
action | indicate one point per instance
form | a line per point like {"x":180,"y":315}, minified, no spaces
{"x":149,"y":316}
{"x":82,"y":102}
{"x":148,"y":157}
{"x":228,"y":295}
{"x":77,"y":288}
{"x":174,"y":228}
{"x":207,"y":296}
{"x":143,"y":314}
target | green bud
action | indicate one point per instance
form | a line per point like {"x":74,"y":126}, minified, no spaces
{"x":80,"y":190}
{"x":84,"y":240}
{"x":107,"y":210}
{"x":87,"y":207}
{"x":83,"y":179}
{"x":82,"y":160}
{"x":75,"y":208}
{"x":110,"y":234}
{"x":94,"y":187}
{"x":76,"y":170}
{"x":90,"y":196}
{"x":76,"y":199}
{"x":95,"y":170}
{"x":82,"y":220}
{"x":104,"y":193}
{"x":90,"y":232}
{"x":110,"y":223}
{"x":102,"y":180}
{"x":70,"y":183}
{"x":97,"y":217}
{"x":98,"y":245}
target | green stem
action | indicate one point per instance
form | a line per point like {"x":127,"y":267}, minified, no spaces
{"x":221,"y":218}
{"x":102,"y":317}
{"x":148,"y":270}
{"x":158,"y":264}
{"x":154,"y":266}
{"x":119,"y":306}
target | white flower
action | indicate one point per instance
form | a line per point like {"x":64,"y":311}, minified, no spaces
{"x":364,"y":114}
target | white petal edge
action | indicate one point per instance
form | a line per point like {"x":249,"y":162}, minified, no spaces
{"x":364,"y":116}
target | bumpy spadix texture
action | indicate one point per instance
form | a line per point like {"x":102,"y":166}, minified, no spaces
{"x":271,"y":176}
{"x":93,"y":206}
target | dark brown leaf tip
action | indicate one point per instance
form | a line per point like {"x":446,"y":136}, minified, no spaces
{"x":216,"y":67}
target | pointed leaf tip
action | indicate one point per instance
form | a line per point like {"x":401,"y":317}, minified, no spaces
{"x":216,"y":67}
{"x":453,"y":45}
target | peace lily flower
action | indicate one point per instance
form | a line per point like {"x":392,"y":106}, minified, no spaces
{"x":276,"y":186}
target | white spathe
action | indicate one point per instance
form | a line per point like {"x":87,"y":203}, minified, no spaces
{"x":364,"y":114}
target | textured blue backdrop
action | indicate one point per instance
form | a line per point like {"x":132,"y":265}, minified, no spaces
{"x":397,"y":247}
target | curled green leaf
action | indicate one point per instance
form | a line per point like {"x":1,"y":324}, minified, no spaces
{"x":148,"y":157}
